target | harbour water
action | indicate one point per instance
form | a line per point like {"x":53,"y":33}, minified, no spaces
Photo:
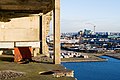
{"x":108,"y":70}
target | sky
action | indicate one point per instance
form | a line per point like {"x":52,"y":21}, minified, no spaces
{"x":78,"y":15}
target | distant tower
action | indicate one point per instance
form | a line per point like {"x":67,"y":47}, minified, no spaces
{"x":80,"y":38}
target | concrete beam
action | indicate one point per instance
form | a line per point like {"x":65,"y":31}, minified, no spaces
{"x":22,"y":7}
{"x":24,"y":4}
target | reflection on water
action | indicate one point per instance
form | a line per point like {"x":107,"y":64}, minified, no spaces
{"x":108,"y":70}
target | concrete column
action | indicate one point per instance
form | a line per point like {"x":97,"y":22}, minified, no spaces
{"x":56,"y":31}
{"x":43,"y":34}
{"x":35,"y":51}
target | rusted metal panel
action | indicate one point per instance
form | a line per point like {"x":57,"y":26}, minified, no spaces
{"x":22,"y":53}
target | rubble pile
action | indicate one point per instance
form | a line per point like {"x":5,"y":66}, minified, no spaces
{"x":9,"y":74}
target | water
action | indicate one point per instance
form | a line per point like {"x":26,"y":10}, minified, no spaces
{"x":108,"y":70}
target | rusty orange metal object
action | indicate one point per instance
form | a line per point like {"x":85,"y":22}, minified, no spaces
{"x":22,"y":53}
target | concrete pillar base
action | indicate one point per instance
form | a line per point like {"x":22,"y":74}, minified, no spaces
{"x":36,"y":51}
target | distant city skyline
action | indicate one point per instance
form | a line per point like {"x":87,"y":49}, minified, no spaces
{"x":77,"y":15}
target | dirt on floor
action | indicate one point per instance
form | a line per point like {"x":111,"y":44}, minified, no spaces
{"x":31,"y":69}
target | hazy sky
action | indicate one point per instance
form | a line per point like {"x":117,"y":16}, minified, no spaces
{"x":77,"y":15}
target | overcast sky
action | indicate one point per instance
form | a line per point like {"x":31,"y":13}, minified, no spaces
{"x":77,"y":15}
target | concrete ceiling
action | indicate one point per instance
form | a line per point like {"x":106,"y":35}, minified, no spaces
{"x":21,"y":8}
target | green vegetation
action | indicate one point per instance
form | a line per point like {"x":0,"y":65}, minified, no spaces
{"x":31,"y":69}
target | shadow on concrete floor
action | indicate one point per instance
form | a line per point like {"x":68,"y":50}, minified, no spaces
{"x":8,"y":58}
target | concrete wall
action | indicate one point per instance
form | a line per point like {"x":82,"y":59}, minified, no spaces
{"x":20,"y":29}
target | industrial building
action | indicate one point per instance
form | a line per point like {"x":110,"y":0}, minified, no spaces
{"x":24,"y":25}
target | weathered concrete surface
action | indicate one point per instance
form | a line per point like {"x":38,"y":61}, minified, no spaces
{"x":46,"y":18}
{"x":23,"y":8}
{"x":56,"y":31}
{"x":20,"y":29}
{"x":25,"y":28}
{"x":25,"y":4}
